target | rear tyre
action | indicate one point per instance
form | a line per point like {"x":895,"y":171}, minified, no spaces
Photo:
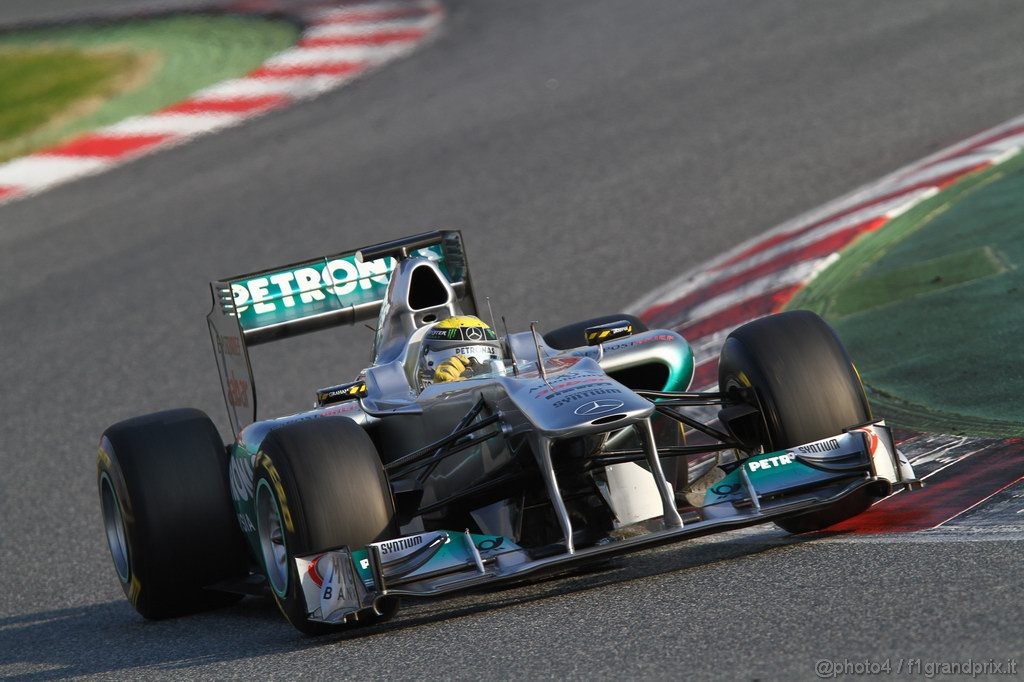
{"x":574,"y":335}
{"x":167,"y":512}
{"x":319,"y":485}
{"x":794,"y":369}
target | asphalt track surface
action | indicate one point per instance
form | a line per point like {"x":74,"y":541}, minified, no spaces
{"x":590,"y":151}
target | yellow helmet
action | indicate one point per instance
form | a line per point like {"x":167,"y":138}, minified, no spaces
{"x":461,"y":322}
{"x":464,"y":335}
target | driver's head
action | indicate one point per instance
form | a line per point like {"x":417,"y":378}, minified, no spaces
{"x":465,"y":336}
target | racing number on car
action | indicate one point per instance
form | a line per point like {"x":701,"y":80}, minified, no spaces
{"x":726,"y":489}
{"x":238,"y":392}
{"x":489,"y":544}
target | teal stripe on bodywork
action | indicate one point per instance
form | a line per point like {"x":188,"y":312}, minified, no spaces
{"x":770,"y":473}
{"x":452,"y":553}
{"x":315,"y":287}
{"x":680,"y":370}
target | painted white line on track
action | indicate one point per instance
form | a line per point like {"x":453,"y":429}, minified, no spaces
{"x":887,"y":209}
{"x":329,"y":55}
{"x":982,"y":501}
{"x":940,"y":452}
{"x":1003,"y":141}
{"x":255,"y":87}
{"x":795,"y":274}
{"x":342,"y":30}
{"x":1008,"y":145}
{"x":348,"y":11}
{"x":938,"y":172}
{"x":171,"y":124}
{"x":991,"y":154}
{"x":33,"y":173}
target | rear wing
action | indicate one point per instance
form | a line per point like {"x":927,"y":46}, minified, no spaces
{"x":331,"y":291}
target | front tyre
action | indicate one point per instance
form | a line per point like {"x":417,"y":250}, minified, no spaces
{"x":167,"y":512}
{"x":318,"y":485}
{"x":795,"y":371}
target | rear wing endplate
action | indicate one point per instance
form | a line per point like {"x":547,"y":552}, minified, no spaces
{"x":331,"y":291}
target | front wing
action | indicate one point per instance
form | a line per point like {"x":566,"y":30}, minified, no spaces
{"x":341,"y":583}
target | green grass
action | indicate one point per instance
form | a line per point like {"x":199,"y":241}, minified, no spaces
{"x":59,"y":84}
{"x":40,"y":85}
{"x":930,"y":308}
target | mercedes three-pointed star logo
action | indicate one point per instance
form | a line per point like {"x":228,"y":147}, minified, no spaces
{"x":474,"y":334}
{"x":596,"y":407}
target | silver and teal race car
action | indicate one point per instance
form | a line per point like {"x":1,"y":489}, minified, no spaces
{"x":461,"y":458}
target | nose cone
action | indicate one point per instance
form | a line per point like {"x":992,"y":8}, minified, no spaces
{"x":577,"y":402}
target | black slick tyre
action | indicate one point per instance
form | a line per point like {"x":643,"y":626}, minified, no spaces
{"x":794,"y":369}
{"x":167,"y":512}
{"x":319,"y":485}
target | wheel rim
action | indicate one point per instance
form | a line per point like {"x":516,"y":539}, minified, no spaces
{"x":273,"y":545}
{"x":113,"y":525}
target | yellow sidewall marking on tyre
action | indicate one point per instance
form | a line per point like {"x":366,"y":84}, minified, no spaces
{"x":103,"y":458}
{"x":134,"y":590}
{"x":282,"y":499}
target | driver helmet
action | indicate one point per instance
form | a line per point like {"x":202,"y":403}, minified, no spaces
{"x":465,"y":335}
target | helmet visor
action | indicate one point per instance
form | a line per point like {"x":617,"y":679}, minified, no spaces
{"x":480,"y":352}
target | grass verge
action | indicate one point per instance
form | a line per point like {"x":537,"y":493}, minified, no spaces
{"x":43,"y":85}
{"x":930,"y":308}
{"x":57,"y":83}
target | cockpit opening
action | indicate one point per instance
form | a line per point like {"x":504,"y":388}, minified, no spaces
{"x":426,"y":290}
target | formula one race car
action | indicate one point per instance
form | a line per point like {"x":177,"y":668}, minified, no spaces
{"x":461,"y":458}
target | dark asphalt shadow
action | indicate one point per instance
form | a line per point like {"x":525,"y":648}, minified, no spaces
{"x":112,"y":638}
